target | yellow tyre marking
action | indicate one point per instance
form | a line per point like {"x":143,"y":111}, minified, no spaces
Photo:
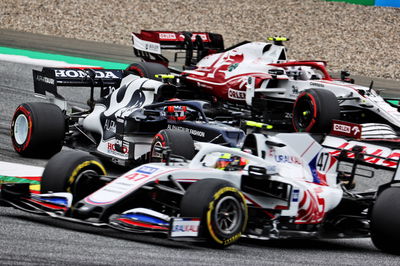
{"x":72,"y":178}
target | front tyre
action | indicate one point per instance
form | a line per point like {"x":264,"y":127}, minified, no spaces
{"x":76,"y":172}
{"x":385,"y":221}
{"x":220,"y":206}
{"x":38,"y":129}
{"x":314,"y":111}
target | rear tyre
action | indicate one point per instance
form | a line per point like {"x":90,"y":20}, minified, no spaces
{"x":147,"y":70}
{"x":76,"y":172}
{"x":38,"y":129}
{"x":179,"y":142}
{"x":220,"y":206}
{"x":314,"y":111}
{"x":385,"y":221}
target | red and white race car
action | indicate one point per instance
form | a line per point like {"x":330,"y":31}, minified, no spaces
{"x":299,"y":95}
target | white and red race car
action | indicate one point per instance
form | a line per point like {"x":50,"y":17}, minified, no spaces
{"x":282,"y":186}
{"x":299,"y":95}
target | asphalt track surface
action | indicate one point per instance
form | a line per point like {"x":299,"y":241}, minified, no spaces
{"x":27,"y":239}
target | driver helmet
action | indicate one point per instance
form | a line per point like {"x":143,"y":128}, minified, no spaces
{"x":305,"y":73}
{"x":227,"y":160}
{"x":175,"y":112}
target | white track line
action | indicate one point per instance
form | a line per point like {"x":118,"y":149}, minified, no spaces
{"x":20,"y":170}
{"x":39,"y":62}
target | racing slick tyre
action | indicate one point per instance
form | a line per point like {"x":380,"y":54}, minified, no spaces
{"x":220,"y":206}
{"x":314,"y":110}
{"x":147,"y":70}
{"x":38,"y":129}
{"x":385,"y":221}
{"x":76,"y":172}
{"x":179,"y":142}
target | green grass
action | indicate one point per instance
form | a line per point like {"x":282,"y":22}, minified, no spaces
{"x":63,"y":58}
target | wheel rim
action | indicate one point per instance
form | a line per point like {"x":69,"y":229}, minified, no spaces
{"x":228,"y":215}
{"x":305,"y":111}
{"x":21,"y":129}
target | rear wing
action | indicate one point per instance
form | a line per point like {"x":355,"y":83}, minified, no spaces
{"x":148,"y":45}
{"x":49,"y":79}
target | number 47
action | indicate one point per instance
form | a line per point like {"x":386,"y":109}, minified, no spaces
{"x":323,"y":161}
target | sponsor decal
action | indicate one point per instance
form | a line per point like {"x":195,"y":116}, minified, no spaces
{"x":110,"y":125}
{"x":288,"y":115}
{"x":169,"y":36}
{"x":203,"y":36}
{"x":45,"y":79}
{"x":236,"y":94}
{"x":185,"y":227}
{"x":136,"y":176}
{"x":151,"y":47}
{"x":141,"y":173}
{"x":311,"y":207}
{"x":283,"y":158}
{"x":111,"y":149}
{"x":75,"y":73}
{"x":342,"y":128}
{"x":191,"y":131}
{"x":147,"y":170}
{"x":147,"y":46}
{"x":233,"y":67}
{"x":295,"y":90}
{"x":394,"y":156}
{"x":276,"y":72}
{"x":164,"y":36}
{"x":317,"y":84}
{"x":370,"y":150}
{"x":287,"y":159}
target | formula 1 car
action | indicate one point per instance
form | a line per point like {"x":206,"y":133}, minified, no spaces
{"x":257,"y":76}
{"x":282,"y":186}
{"x":119,"y":126}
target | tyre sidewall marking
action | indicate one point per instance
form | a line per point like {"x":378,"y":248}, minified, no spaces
{"x":23,"y":110}
{"x":315,"y":112}
{"x":216,"y":196}
{"x":77,"y":169}
{"x":139,"y":71}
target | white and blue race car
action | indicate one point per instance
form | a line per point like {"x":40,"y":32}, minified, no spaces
{"x":282,"y":186}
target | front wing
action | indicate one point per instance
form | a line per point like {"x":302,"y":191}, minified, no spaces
{"x":58,"y":206}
